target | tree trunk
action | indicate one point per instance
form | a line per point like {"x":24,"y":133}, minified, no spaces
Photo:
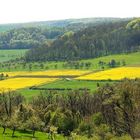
{"x":33,"y":132}
{"x":13,"y":131}
{"x":4,"y":128}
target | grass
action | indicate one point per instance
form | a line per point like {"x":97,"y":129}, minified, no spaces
{"x":28,"y":93}
{"x":19,"y":135}
{"x":131,"y":59}
{"x":73,"y":84}
{"x":6,"y":55}
{"x":62,"y":84}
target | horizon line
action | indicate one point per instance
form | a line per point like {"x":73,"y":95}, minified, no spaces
{"x":54,"y":20}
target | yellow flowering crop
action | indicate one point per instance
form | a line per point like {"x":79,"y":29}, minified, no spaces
{"x":47,"y":73}
{"x":17,"y":83}
{"x":114,"y":74}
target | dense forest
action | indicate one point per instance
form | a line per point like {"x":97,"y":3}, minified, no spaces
{"x":93,"y":41}
{"x":113,"y":110}
{"x":29,"y":37}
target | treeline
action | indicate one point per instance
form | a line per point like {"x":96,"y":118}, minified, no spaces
{"x":112,"y":111}
{"x":28,"y":37}
{"x":94,"y":41}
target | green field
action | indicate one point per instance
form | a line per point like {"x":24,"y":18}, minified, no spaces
{"x":6,"y":55}
{"x":74,"y":84}
{"x":131,"y":59}
{"x":28,"y":93}
{"x":63,"y":84}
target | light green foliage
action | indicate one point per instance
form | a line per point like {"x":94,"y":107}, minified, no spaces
{"x":64,"y":121}
{"x":134,"y":24}
{"x":125,"y":137}
{"x":97,"y":119}
{"x":86,"y":128}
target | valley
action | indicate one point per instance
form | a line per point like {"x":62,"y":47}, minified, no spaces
{"x":61,"y":81}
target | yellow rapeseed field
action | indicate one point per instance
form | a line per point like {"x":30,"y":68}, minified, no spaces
{"x":48,"y":73}
{"x":114,"y":74}
{"x":18,"y":83}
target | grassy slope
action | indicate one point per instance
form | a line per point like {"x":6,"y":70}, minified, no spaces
{"x":132,"y":59}
{"x":19,"y":135}
{"x":6,"y":55}
{"x":26,"y":136}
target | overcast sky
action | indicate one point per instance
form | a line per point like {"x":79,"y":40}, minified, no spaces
{"x":14,"y":11}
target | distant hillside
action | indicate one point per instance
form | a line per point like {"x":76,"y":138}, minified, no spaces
{"x":35,"y":34}
{"x":94,"y":41}
{"x":71,"y":23}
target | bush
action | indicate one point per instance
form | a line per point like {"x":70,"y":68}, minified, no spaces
{"x":86,"y":128}
{"x":98,"y":118}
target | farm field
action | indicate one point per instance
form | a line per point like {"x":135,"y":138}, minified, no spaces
{"x":18,"y":83}
{"x":21,"y":80}
{"x":6,"y":55}
{"x":47,"y":73}
{"x":61,"y":84}
{"x":113,"y":74}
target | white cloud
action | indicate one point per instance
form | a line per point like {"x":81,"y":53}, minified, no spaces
{"x":36,"y":10}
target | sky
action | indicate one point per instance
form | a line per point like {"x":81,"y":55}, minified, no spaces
{"x":19,"y":11}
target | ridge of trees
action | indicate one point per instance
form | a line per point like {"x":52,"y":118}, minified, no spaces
{"x":94,"y":41}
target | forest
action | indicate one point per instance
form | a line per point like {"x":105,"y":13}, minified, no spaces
{"x":28,"y":37}
{"x":91,"y":42}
